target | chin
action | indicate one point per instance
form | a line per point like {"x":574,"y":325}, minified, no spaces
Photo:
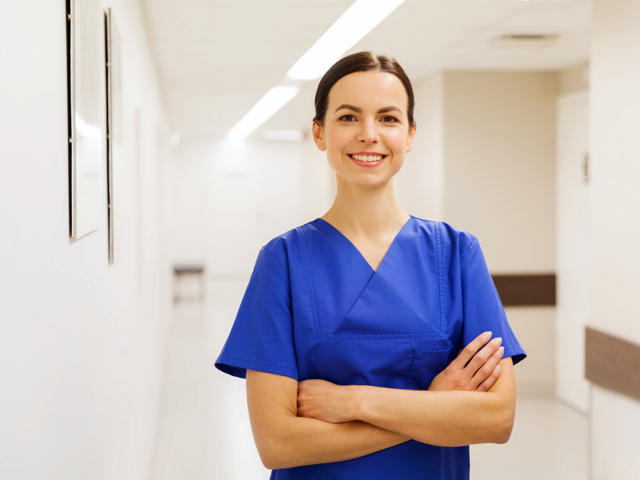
{"x":370,"y":183}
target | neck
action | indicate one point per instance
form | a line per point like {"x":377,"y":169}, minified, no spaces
{"x":365,"y":211}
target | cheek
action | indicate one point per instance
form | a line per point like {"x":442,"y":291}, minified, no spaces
{"x":338,"y":140}
{"x":397,"y":165}
{"x":337,"y":144}
{"x":398,"y":141}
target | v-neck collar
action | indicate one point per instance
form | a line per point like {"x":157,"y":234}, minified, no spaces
{"x":358,"y":251}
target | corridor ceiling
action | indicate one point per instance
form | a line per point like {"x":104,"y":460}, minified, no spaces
{"x":217,"y":58}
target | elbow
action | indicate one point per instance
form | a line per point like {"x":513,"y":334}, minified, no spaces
{"x":270,"y":463}
{"x":273,"y":455}
{"x":503,"y":435}
{"x":268,"y":460}
{"x":504,"y":427}
{"x":275,"y":444}
{"x":269,"y":457}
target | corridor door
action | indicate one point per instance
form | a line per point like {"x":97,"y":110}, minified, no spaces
{"x":572,"y":246}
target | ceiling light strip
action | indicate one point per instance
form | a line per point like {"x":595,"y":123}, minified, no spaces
{"x":266,"y":107}
{"x":359,"y":19}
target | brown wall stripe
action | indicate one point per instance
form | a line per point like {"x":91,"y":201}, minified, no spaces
{"x":612,"y":363}
{"x":522,"y":290}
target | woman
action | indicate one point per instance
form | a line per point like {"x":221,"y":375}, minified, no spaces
{"x":364,"y":334}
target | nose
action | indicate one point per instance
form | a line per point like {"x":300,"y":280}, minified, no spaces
{"x":368,"y":132}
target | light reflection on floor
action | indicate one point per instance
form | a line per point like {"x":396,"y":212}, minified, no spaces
{"x":204,"y":431}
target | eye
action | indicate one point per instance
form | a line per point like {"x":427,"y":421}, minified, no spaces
{"x":346,"y":117}
{"x":389,"y":119}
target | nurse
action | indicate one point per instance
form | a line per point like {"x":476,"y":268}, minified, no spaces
{"x":373,"y":342}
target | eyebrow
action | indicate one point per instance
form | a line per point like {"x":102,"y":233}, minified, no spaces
{"x":359,"y":110}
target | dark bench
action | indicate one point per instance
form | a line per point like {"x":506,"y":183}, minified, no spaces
{"x":190,"y":269}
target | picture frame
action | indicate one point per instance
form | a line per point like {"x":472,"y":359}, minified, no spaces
{"x":113,"y":123}
{"x":84,"y":61}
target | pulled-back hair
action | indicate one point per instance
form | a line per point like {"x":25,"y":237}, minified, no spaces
{"x":360,"y":62}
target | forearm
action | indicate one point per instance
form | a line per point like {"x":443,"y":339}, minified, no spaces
{"x":307,"y":441}
{"x":448,"y":419}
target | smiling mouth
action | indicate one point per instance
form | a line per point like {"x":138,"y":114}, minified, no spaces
{"x":367,"y":158}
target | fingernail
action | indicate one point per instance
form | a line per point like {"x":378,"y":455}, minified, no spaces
{"x":501,"y":350}
{"x":497,"y":340}
{"x":498,"y":368}
{"x":486,"y":335}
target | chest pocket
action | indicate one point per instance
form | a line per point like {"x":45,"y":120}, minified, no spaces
{"x":426,"y":365}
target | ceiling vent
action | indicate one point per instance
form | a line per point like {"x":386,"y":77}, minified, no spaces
{"x":523,"y":40}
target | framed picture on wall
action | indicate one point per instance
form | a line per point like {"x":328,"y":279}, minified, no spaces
{"x":114,"y":115}
{"x":84,"y":58}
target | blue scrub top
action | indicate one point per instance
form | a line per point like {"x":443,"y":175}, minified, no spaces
{"x":314,"y":308}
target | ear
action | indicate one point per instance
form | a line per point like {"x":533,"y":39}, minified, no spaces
{"x":318,"y":136}
{"x":412,"y":134}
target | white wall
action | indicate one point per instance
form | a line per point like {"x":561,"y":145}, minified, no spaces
{"x":615,"y":228}
{"x":419,"y":186}
{"x":81,"y":342}
{"x":231,"y":198}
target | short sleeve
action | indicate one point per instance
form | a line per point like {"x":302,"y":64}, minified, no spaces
{"x":482,"y":307}
{"x":261,"y":337}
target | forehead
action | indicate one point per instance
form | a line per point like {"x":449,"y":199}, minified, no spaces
{"x":368,"y":90}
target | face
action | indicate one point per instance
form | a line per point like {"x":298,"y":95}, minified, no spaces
{"x":366,"y":130}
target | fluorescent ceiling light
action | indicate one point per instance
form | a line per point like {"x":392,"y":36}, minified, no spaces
{"x":286,"y":135}
{"x":359,"y":19}
{"x":272,"y":101}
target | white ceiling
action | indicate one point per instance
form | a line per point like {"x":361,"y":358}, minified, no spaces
{"x":217,"y":58}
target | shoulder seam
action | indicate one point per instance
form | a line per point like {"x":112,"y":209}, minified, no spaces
{"x":275,"y":260}
{"x":475,"y":240}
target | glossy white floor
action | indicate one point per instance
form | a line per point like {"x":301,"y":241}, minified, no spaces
{"x":204,"y":432}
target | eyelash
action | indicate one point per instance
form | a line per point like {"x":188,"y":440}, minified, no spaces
{"x":386,"y":116}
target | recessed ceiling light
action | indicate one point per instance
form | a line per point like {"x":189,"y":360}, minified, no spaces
{"x":272,"y":101}
{"x":359,"y":19}
{"x":524,"y":40}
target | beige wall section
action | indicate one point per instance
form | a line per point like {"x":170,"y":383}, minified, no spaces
{"x":499,"y":161}
{"x":534,"y":328}
{"x":81,"y":341}
{"x":419,"y":185}
{"x":615,"y":233}
{"x":499,"y":143}
{"x":574,"y":79}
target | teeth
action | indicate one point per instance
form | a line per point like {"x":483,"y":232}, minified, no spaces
{"x":368,"y":158}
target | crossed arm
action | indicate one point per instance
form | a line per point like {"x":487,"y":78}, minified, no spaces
{"x":314,"y":421}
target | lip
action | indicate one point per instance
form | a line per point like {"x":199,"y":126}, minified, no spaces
{"x":367,"y":164}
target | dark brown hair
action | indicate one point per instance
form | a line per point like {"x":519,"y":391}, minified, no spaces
{"x":360,"y":62}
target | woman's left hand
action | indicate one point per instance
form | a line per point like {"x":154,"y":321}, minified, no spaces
{"x":324,"y":401}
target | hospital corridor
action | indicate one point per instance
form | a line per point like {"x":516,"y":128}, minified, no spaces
{"x":341,"y":193}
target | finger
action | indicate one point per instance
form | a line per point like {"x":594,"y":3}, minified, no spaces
{"x":470,"y":350}
{"x":485,"y":371}
{"x":482,"y":356}
{"x":490,"y":380}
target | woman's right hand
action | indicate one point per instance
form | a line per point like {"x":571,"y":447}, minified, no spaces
{"x":474,"y":369}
